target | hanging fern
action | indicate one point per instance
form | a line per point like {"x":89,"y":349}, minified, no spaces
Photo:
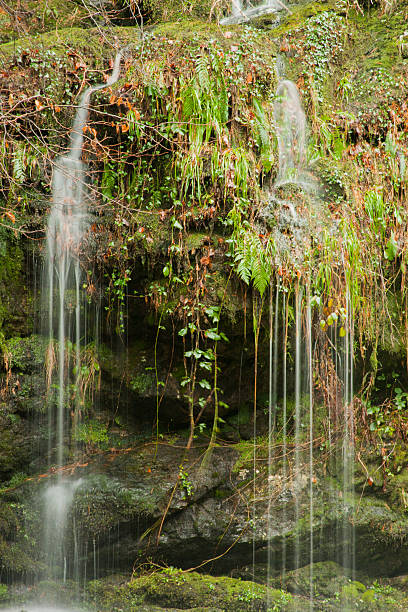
{"x":254,"y":260}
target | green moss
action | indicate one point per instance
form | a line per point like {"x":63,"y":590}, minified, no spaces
{"x":88,"y":41}
{"x":11,"y":275}
{"x":378,"y":598}
{"x":156,"y":233}
{"x":143,"y":382}
{"x":299,"y":14}
{"x":188,"y":29}
{"x":26,"y":354}
{"x":194,"y":240}
{"x":92,"y":433}
{"x":3,"y":592}
{"x":103,"y":502}
{"x":380,"y":32}
{"x":18,"y":540}
{"x":174,"y":588}
{"x":40,"y":16}
{"x":172,"y":10}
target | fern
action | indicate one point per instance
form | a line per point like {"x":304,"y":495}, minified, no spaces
{"x":108,"y":182}
{"x":254,"y":260}
{"x":188,"y":96}
{"x":202,"y":73}
{"x":263,"y":135}
{"x":19,"y":165}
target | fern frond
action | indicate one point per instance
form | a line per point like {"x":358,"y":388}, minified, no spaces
{"x":19,"y":168}
{"x":202,"y":73}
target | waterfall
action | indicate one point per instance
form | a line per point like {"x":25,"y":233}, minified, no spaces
{"x":237,"y":9}
{"x":242,"y":11}
{"x":291,"y":134}
{"x":67,"y":226}
{"x":298,"y":472}
{"x":57,"y":500}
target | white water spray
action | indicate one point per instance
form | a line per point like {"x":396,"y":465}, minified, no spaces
{"x":57,"y":500}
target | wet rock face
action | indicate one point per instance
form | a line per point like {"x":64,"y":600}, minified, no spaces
{"x":159,"y":502}
{"x":15,"y":444}
{"x":166,"y":506}
{"x":210,"y":515}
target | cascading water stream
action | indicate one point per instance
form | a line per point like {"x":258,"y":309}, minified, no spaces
{"x":291,"y":134}
{"x":66,"y":230}
{"x":243,"y":11}
{"x":299,"y":474}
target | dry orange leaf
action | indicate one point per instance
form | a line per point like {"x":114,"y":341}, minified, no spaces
{"x":11,"y":216}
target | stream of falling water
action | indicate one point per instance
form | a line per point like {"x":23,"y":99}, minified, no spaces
{"x":245,"y":10}
{"x":298,"y":474}
{"x":67,"y":226}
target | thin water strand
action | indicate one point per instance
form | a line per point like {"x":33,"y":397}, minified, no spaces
{"x":271,"y":418}
{"x":284,"y":416}
{"x":298,"y":373}
{"x":67,"y":227}
{"x":311,"y":469}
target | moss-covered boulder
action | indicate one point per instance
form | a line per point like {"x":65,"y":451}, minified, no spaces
{"x":172,"y":588}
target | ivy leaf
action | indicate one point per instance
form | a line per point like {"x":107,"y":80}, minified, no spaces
{"x":204,"y":384}
{"x":212,"y":334}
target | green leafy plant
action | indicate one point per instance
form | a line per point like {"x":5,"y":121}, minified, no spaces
{"x":185,"y":484}
{"x":93,"y":433}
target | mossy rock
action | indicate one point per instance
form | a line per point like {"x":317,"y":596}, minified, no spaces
{"x":328,"y":577}
{"x":102,"y":502}
{"x":15,"y":446}
{"x":173,"y":588}
{"x":377,"y":598}
{"x":17,"y":541}
{"x":33,"y":16}
{"x":173,"y":10}
{"x":26,"y":355}
{"x":15,"y":303}
{"x":73,"y":39}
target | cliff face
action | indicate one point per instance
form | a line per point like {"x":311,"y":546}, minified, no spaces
{"x":189,"y":235}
